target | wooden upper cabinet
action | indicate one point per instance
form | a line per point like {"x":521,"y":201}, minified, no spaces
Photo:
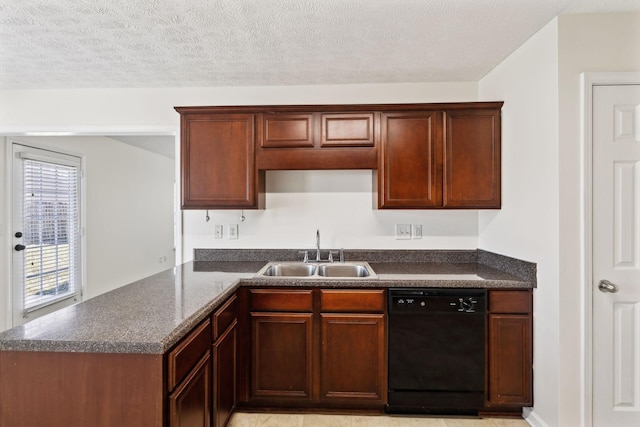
{"x":218,"y":162}
{"x":317,"y":139}
{"x":424,"y":156}
{"x":472,"y":159}
{"x":410,"y":165}
{"x":285,"y":130}
{"x":347,"y":130}
{"x":440,"y":158}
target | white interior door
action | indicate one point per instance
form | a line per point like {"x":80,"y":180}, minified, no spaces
{"x":616,"y":256}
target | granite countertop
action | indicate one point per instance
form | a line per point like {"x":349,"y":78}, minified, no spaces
{"x":147,"y":316}
{"x":153,"y":314}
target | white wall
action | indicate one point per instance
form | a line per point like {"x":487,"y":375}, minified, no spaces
{"x":129,"y":210}
{"x":339,"y":204}
{"x":527,"y":225}
{"x":542,"y":186}
{"x":598,"y":42}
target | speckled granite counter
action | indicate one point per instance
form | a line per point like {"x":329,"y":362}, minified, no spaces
{"x":147,"y":316}
{"x":152,"y":314}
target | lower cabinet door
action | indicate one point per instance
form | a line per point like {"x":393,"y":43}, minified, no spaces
{"x":510,"y":375}
{"x":281,"y":357}
{"x":353,"y":359}
{"x":224,"y":377}
{"x":190,"y":402}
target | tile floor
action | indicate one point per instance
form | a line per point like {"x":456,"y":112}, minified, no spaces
{"x":243,"y":419}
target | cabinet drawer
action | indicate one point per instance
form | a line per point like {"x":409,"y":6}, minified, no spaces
{"x":295,"y":300}
{"x":224,"y":316}
{"x":352,"y":300}
{"x":510,"y":301}
{"x":286,"y":130}
{"x":185,"y":355}
{"x":347,"y":130}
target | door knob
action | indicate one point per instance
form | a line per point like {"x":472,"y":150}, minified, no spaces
{"x":607,"y":286}
{"x":20,"y":247}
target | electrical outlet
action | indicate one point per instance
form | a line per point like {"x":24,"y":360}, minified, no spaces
{"x":218,"y":230}
{"x":403,"y":231}
{"x":233,"y":231}
{"x":416,"y":231}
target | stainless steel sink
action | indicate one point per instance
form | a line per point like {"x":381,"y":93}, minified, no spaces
{"x":290,"y":269}
{"x":318,"y":270}
{"x":343,"y":270}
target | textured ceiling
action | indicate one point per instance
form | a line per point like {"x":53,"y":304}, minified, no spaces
{"x":200,"y":43}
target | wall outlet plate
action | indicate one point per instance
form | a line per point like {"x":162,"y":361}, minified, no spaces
{"x":218,"y":231}
{"x":416,"y":231}
{"x":233,"y":231}
{"x":403,"y":231}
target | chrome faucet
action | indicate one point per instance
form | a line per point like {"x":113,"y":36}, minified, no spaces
{"x":318,"y":245}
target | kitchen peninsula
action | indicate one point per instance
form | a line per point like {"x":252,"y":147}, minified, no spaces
{"x":163,"y":349}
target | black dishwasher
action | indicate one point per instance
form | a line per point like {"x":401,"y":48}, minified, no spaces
{"x":436,"y":350}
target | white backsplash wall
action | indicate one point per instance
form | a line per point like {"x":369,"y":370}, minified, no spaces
{"x":339,"y":204}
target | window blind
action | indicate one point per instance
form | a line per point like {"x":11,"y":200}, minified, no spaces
{"x":51,"y":221}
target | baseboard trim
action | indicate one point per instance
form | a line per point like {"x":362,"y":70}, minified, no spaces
{"x":533,"y":418}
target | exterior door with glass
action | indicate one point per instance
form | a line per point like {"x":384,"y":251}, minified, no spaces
{"x":46,"y":256}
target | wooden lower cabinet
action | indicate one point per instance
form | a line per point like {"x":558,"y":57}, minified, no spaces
{"x":224,"y":353}
{"x":224,"y":376}
{"x":510,"y":341}
{"x":189,"y":404}
{"x":353,"y":359}
{"x":189,"y":379}
{"x":281,"y":356}
{"x":58,"y":389}
{"x":324,"y":358}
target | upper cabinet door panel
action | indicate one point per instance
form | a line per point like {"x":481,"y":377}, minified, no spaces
{"x":472,"y":159}
{"x":286,"y":130}
{"x":410,"y":170}
{"x":218,"y":161}
{"x":347,"y":130}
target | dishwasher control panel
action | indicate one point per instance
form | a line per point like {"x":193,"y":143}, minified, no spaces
{"x":437,"y":300}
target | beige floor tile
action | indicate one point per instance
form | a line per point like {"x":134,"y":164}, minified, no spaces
{"x":318,"y":420}
{"x":420,"y":422}
{"x":373,"y":421}
{"x":279,"y":420}
{"x":468,"y":422}
{"x":509,"y":422}
{"x":242,"y":419}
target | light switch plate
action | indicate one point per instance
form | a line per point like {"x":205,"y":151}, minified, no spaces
{"x":218,"y":231}
{"x":233,"y":231}
{"x":403,"y":231}
{"x":416,"y":231}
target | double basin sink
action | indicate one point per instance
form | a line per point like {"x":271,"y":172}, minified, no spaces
{"x":318,"y":270}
